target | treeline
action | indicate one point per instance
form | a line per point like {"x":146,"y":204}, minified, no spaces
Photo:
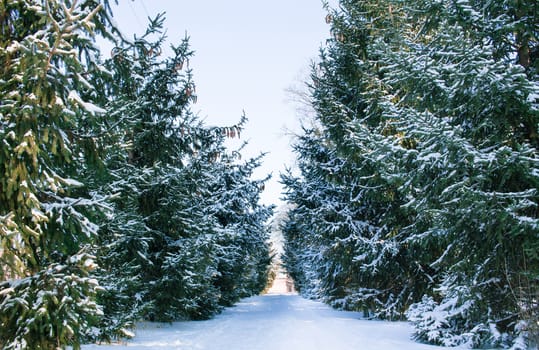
{"x":417,"y":192}
{"x":117,"y":204}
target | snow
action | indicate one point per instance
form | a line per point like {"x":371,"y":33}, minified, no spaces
{"x":72,"y":182}
{"x":274,"y":321}
{"x":13,"y":47}
{"x":533,"y":97}
{"x":89,"y":107}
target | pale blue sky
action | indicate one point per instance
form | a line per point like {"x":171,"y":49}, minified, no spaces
{"x":247,"y":53}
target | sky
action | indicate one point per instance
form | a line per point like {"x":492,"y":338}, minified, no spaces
{"x":247,"y":54}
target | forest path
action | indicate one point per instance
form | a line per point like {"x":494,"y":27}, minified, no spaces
{"x":277,"y":322}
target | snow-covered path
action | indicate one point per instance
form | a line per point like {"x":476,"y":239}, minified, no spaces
{"x":276,"y":322}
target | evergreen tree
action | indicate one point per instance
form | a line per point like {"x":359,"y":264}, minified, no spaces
{"x":47,"y":213}
{"x":353,"y":169}
{"x":124,"y":176}
{"x":244,"y":253}
{"x":473,"y":122}
{"x":419,"y":179}
{"x":172,"y":244}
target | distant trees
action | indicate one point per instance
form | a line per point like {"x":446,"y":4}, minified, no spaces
{"x":116,"y":203}
{"x":417,"y":195}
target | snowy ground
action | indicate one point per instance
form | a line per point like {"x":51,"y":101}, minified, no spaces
{"x":275,"y":321}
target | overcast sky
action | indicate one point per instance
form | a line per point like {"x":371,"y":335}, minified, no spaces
{"x":247,"y":53}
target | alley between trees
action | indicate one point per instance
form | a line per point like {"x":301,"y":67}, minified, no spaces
{"x":274,"y":321}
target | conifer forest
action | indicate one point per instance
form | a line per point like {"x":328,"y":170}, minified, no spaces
{"x":415,"y":194}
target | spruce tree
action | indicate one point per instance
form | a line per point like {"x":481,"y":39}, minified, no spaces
{"x":125,"y":176}
{"x":365,"y":264}
{"x":472,"y":122}
{"x":426,"y":136}
{"x":48,"y":214}
{"x":166,"y":252}
{"x":244,"y":251}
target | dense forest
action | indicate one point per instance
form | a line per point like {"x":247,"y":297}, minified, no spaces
{"x":117,"y":203}
{"x":416,"y":195}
